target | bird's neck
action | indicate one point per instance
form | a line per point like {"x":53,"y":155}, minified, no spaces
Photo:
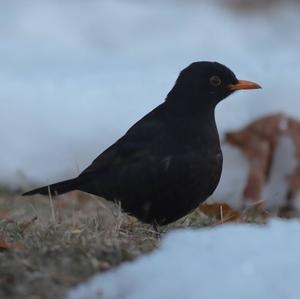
{"x":190,"y":101}
{"x":183,"y":103}
{"x":194,"y":123}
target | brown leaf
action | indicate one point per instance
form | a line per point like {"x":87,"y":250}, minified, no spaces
{"x":6,"y":245}
{"x":221,"y":211}
{"x":25,"y":225}
{"x":4,"y":214}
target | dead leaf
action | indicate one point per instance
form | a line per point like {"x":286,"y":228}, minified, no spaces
{"x":25,"y":225}
{"x":221,"y":211}
{"x":6,"y":245}
{"x":4,"y":215}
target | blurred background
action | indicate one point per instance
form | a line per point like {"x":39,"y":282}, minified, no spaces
{"x":74,"y":75}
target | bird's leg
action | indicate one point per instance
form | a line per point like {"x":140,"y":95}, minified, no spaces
{"x":156,"y":228}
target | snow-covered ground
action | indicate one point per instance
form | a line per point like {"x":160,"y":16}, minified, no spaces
{"x":235,"y":174}
{"x":74,"y":75}
{"x":231,"y":261}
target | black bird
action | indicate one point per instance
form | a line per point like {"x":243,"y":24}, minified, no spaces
{"x":169,"y":161}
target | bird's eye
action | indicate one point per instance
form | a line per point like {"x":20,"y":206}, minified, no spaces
{"x":215,"y":81}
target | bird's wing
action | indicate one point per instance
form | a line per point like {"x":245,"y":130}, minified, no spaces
{"x":140,"y":141}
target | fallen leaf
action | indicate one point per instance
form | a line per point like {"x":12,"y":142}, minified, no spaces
{"x":221,"y":211}
{"x":6,"y":245}
{"x":4,"y":214}
{"x":25,"y":225}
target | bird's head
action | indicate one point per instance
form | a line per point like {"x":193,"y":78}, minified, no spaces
{"x":208,"y":82}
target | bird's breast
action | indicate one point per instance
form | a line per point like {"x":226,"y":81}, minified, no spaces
{"x":194,"y":166}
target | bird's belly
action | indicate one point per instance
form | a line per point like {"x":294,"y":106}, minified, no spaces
{"x":170,"y":188}
{"x":194,"y":180}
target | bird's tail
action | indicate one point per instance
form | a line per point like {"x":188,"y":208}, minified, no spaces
{"x":55,"y":189}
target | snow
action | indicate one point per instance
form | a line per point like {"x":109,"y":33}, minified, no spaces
{"x":231,"y":261}
{"x":234,"y":178}
{"x":284,"y":163}
{"x":236,"y":170}
{"x":74,"y":77}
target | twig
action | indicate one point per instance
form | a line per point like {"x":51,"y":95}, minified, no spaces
{"x":221,"y":212}
{"x":51,"y":205}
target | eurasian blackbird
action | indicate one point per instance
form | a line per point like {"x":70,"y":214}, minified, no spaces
{"x":169,"y":161}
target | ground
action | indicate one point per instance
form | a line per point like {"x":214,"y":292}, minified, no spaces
{"x":48,"y":245}
{"x":46,"y":249}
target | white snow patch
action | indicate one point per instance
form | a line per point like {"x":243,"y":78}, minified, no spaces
{"x":284,"y":162}
{"x":233,"y":179}
{"x":231,"y":261}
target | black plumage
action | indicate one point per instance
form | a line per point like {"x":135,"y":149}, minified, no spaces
{"x":169,"y":161}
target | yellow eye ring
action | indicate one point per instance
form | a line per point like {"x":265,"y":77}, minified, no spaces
{"x":215,"y":81}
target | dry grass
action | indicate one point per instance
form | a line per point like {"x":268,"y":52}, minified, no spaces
{"x":54,"y":248}
{"x":55,"y":245}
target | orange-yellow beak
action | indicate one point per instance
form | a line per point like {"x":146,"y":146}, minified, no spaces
{"x":243,"y":84}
